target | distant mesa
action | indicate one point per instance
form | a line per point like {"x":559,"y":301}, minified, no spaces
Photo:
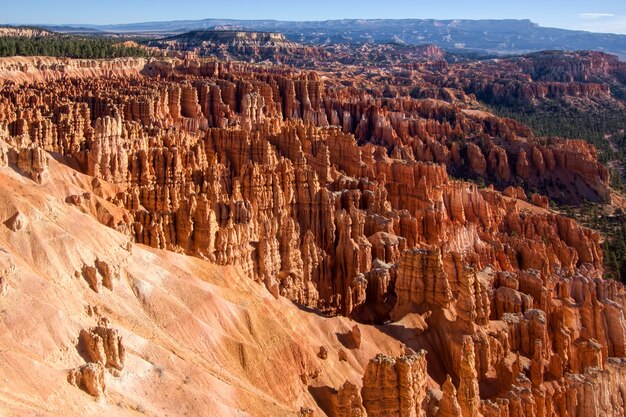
{"x":508,"y":36}
{"x":228,"y":36}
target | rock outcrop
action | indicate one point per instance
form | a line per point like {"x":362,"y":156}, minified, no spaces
{"x":349,"y":402}
{"x":103,"y":345}
{"x":103,"y":349}
{"x":468,"y":394}
{"x":449,"y":405}
{"x":89,"y":378}
{"x":395,"y":386}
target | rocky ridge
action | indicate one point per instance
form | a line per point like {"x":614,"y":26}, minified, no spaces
{"x":23,"y":31}
{"x":275,"y":48}
{"x":551,"y":75}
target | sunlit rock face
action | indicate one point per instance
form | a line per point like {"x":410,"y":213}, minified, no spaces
{"x":346,"y":202}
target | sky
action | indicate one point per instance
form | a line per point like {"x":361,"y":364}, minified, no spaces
{"x":591,"y":15}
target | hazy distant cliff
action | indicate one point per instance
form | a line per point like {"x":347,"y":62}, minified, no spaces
{"x":499,"y":36}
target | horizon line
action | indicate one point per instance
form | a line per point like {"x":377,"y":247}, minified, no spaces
{"x":104,"y":25}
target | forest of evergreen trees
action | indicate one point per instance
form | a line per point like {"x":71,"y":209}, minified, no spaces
{"x":615,"y":251}
{"x":613,"y":228}
{"x":67,"y":46}
{"x":563,"y":120}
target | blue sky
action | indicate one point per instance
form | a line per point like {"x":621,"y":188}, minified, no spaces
{"x":596,"y":15}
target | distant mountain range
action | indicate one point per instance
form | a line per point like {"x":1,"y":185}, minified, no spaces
{"x":486,"y":36}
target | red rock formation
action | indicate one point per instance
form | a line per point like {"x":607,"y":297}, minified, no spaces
{"x":349,"y":402}
{"x":468,"y":394}
{"x":339,"y":199}
{"x":448,"y":405}
{"x":538,"y":76}
{"x":89,"y":378}
{"x":395,"y":386}
{"x":422,"y":279}
{"x":103,"y":345}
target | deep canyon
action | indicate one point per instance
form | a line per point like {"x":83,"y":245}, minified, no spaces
{"x":194,"y":236}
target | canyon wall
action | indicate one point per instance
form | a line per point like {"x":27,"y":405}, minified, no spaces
{"x":346,"y":202}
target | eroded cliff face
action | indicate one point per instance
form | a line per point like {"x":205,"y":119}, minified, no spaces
{"x":583,"y":77}
{"x":342,"y":201}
